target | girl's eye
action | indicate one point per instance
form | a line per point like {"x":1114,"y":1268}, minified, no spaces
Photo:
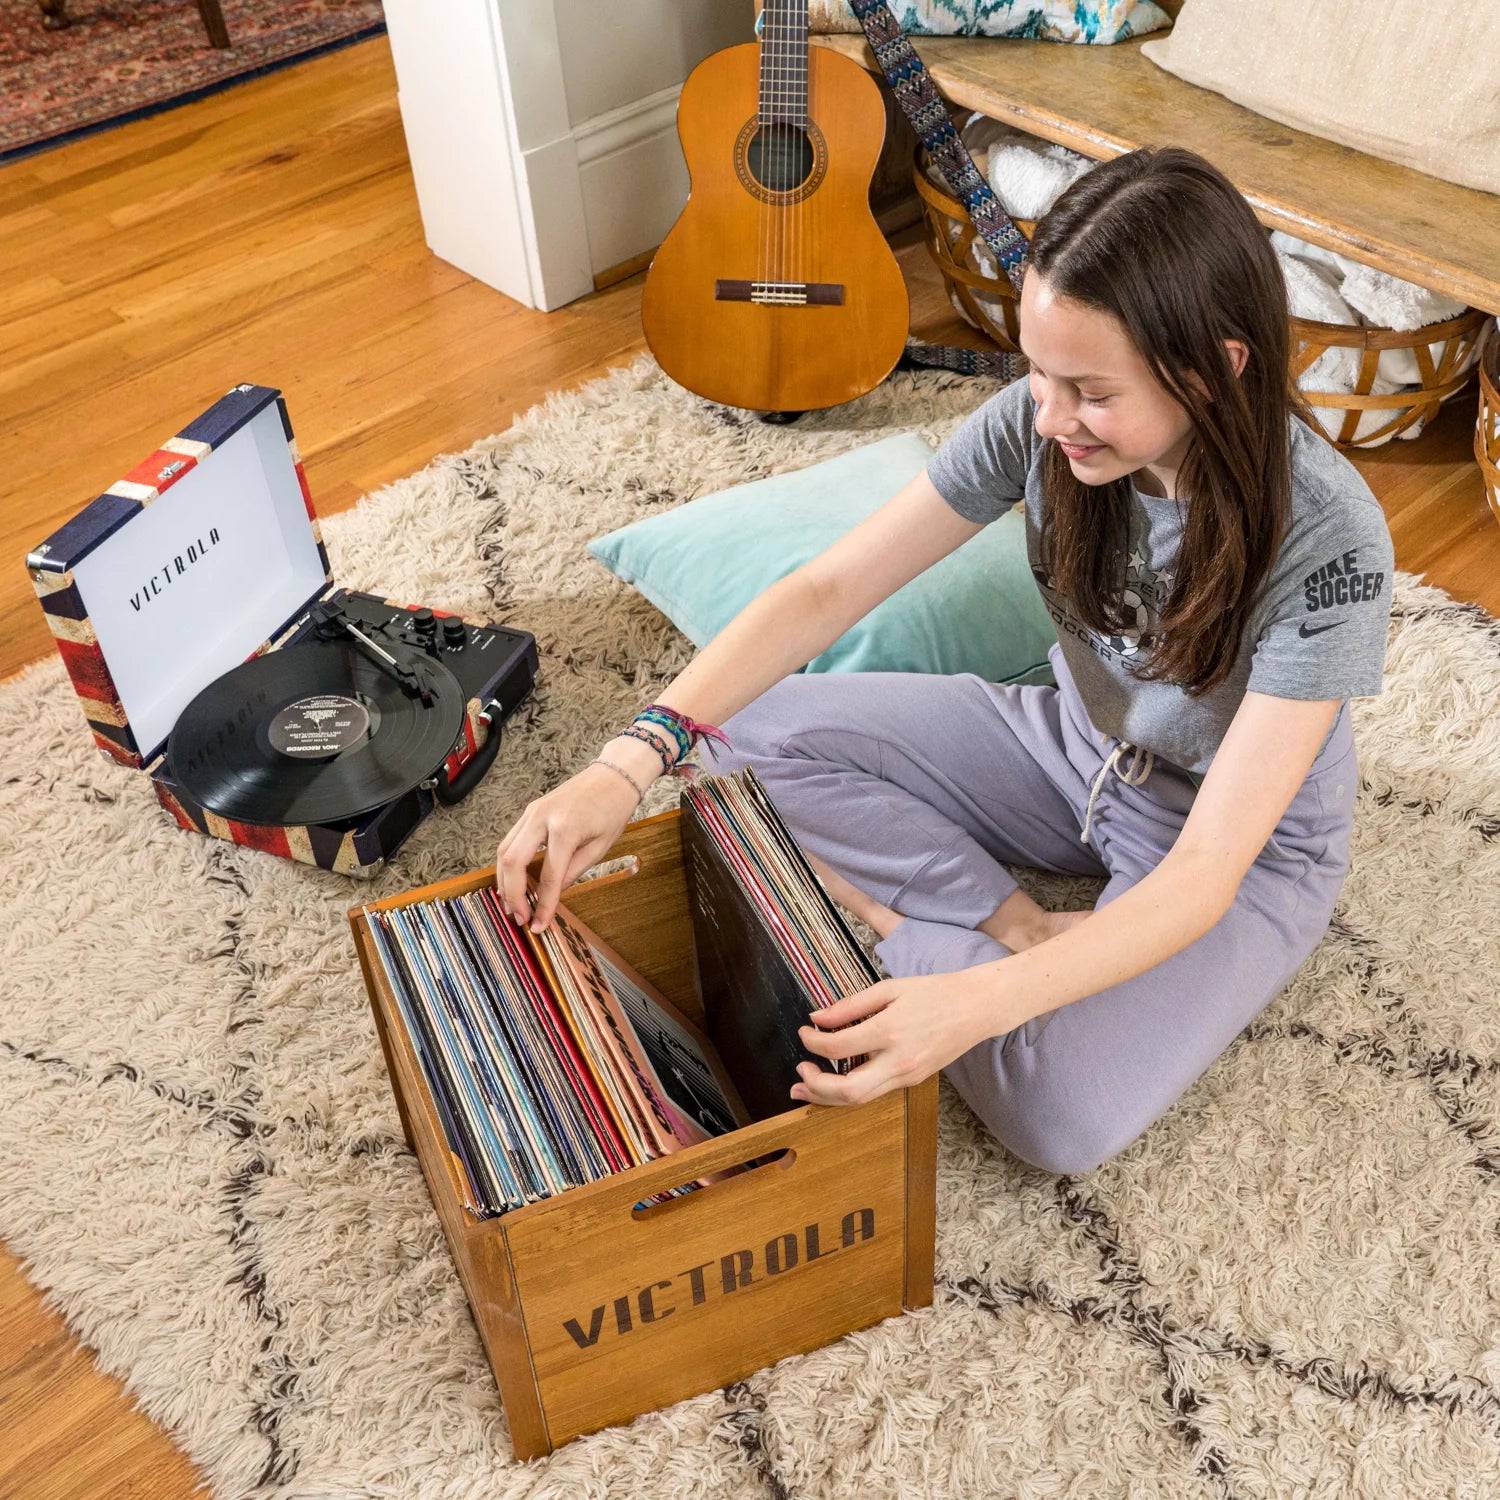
{"x":1098,"y":400}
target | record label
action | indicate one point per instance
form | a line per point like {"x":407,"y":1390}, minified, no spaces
{"x":319,"y":727}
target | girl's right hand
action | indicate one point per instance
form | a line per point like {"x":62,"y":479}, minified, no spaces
{"x":576,"y":822}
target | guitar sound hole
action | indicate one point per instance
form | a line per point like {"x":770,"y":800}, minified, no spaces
{"x":780,"y":157}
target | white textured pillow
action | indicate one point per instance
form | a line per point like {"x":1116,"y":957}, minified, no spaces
{"x":1415,"y":84}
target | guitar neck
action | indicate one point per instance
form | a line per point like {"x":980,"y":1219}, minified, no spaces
{"x":783,"y":62}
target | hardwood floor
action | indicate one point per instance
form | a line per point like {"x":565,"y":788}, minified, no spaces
{"x":271,"y":234}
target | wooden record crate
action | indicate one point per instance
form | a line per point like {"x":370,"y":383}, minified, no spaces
{"x":592,"y":1309}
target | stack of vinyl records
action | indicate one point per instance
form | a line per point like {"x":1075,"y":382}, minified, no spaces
{"x":551,"y":1062}
{"x":771,"y":944}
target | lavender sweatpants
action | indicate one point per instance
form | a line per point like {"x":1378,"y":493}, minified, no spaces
{"x":920,"y":789}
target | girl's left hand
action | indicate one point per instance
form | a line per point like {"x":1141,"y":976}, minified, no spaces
{"x":908,"y":1028}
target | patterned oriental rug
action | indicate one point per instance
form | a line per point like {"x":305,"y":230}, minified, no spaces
{"x":1288,"y":1287}
{"x":122,"y":59}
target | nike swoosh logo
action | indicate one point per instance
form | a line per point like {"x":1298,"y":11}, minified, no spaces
{"x":1305,"y":630}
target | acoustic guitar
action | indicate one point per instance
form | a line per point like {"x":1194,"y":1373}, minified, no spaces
{"x":775,"y":290}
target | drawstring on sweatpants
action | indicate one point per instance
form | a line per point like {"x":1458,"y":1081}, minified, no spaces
{"x":1138,"y":770}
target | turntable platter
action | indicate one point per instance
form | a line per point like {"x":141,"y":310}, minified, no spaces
{"x":314,"y":733}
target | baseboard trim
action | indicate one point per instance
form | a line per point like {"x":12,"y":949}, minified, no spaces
{"x":619,"y":128}
{"x":613,"y":275}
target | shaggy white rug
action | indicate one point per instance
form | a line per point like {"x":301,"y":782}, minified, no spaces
{"x":1288,"y":1287}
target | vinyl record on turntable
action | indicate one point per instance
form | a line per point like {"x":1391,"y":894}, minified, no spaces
{"x":313,"y":734}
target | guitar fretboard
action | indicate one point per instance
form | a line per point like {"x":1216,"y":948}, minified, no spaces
{"x":783,"y":62}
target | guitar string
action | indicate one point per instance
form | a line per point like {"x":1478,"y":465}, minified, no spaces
{"x":803,"y":62}
{"x":758,"y":145}
{"x":789,"y":58}
{"x":780,"y":106}
{"x":768,"y":156}
{"x":799,"y":127}
{"x":804,"y":83}
{"x":793,"y":143}
{"x":788,"y":144}
{"x":774,"y":148}
{"x":772,"y":208}
{"x":800,"y":138}
{"x":768,"y":138}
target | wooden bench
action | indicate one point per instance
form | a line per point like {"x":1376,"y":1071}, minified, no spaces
{"x":1103,"y":101}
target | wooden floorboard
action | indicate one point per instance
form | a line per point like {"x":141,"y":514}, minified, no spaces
{"x":270,"y":233}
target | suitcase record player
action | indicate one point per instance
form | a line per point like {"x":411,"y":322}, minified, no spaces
{"x":194,"y":608}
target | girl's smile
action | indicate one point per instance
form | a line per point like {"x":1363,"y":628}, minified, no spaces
{"x":1096,"y":397}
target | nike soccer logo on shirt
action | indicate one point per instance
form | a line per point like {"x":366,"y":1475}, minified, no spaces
{"x":1305,"y":630}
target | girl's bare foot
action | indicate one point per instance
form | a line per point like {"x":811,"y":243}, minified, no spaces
{"x":1060,"y":921}
{"x":1019,"y":923}
{"x":880,"y":918}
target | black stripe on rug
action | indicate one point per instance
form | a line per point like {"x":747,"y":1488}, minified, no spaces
{"x":273,"y":1371}
{"x":745,"y":1414}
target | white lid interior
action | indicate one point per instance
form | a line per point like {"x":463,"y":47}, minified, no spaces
{"x":202,"y":576}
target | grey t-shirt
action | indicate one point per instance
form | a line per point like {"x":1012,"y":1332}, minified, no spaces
{"x":1317,"y":629}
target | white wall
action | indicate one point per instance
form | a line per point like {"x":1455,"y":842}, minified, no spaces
{"x":617,"y":53}
{"x":542,"y":133}
{"x":623,"y":64}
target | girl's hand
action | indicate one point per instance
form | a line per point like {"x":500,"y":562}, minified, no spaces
{"x":909,"y":1028}
{"x":578,"y":822}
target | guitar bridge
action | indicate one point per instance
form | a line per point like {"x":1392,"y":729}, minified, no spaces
{"x":781,"y":293}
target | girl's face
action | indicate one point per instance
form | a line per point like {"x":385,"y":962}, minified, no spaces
{"x":1095,"y":395}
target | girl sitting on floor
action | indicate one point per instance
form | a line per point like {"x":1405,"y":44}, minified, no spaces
{"x":1220,"y":580}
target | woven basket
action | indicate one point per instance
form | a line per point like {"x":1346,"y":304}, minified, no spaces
{"x":991,"y":304}
{"x":1487,"y":428}
{"x":988,"y":301}
{"x":1444,"y":352}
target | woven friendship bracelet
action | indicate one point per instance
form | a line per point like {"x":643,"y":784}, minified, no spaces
{"x":658,"y":743}
{"x":670,"y":725}
{"x":692,"y":727}
{"x":925,"y":108}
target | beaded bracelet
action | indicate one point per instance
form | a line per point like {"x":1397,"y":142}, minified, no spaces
{"x":657,"y":742}
{"x":621,"y":771}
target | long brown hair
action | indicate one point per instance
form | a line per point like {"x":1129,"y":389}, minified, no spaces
{"x":1163,"y":242}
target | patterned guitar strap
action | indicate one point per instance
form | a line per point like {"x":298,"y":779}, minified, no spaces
{"x":924,"y":107}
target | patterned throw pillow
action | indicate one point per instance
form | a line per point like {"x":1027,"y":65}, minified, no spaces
{"x":1099,"y":21}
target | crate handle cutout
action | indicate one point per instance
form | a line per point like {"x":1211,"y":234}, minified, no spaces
{"x":784,"y":1158}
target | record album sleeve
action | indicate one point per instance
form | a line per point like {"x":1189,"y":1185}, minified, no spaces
{"x":754,"y":998}
{"x":674,"y":1061}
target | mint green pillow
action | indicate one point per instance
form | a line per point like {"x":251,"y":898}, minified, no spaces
{"x":978,"y":610}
